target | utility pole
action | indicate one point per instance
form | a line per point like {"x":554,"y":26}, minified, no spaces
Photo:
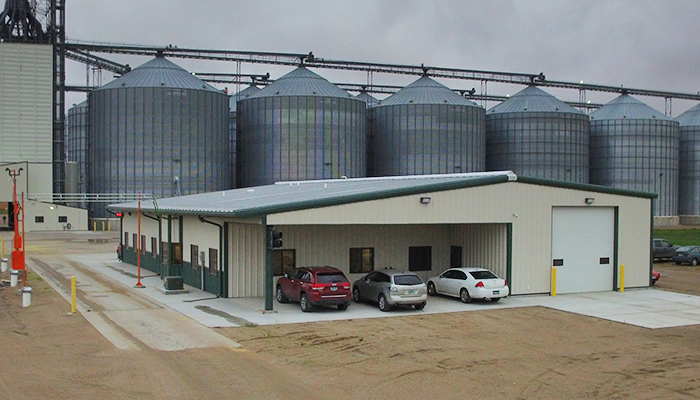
{"x":18,"y":244}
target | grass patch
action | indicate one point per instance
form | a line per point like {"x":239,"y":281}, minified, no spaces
{"x":680,"y":237}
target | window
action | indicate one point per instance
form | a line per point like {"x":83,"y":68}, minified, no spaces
{"x":166,"y":253}
{"x":455,"y":256}
{"x":361,"y":260}
{"x":177,"y":254}
{"x":39,"y":219}
{"x":154,"y":247}
{"x":283,"y":261}
{"x":136,"y":241}
{"x":143,"y":244}
{"x":194,"y":256}
{"x":213,"y":261}
{"x":126,"y":240}
{"x":420,"y":258}
{"x":62,"y":218}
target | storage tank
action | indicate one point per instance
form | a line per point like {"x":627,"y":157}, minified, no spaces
{"x":76,"y":141}
{"x":368,"y":99}
{"x":300,"y":127}
{"x":635,"y":147}
{"x":689,"y":161}
{"x":537,"y":135}
{"x":232,"y":106}
{"x":158,"y":129}
{"x":426,"y":128}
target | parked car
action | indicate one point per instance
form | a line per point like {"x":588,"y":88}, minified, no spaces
{"x":687,"y":254}
{"x":391,"y":288}
{"x":312,"y":286}
{"x":663,"y":249}
{"x":655,"y":276}
{"x":468,"y":284}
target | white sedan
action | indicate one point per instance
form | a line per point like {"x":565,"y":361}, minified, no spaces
{"x":468,"y":284}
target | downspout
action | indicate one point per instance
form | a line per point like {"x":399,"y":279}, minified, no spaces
{"x":221,"y":257}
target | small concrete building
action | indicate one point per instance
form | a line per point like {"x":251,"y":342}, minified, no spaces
{"x":519,"y":227}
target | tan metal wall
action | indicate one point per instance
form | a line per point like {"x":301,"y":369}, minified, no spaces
{"x":485,"y":245}
{"x":26,"y":98}
{"x":246,"y":260}
{"x":528,"y":207}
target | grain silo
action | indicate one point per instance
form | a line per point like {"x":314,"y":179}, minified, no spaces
{"x":158,"y":129}
{"x":300,"y":127}
{"x":635,"y":147}
{"x":689,"y":162}
{"x":535,"y":134}
{"x":76,"y":141}
{"x":426,"y":128}
{"x":368,"y":99}
{"x":233,"y":106}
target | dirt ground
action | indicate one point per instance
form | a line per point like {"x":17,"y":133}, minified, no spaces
{"x":523,"y":353}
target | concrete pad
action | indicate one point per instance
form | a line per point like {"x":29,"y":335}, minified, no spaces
{"x":649,"y":308}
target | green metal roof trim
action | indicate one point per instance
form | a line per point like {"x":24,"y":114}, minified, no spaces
{"x":586,"y":187}
{"x":294,"y":196}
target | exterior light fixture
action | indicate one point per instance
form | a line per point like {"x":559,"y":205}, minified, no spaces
{"x":589,"y":200}
{"x":425,"y":200}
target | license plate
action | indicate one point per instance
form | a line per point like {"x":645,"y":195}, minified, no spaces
{"x":495,"y":292}
{"x":334,"y":288}
{"x":412,"y":291}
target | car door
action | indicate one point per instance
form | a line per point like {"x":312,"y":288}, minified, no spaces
{"x":461,"y":281}
{"x":364,"y":285}
{"x":295,"y":284}
{"x":447,"y":282}
{"x":373,"y":286}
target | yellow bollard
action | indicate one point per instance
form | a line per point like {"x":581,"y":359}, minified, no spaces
{"x":103,"y":226}
{"x":622,"y":277}
{"x":72,"y":295}
{"x":109,"y":226}
{"x":94,"y":225}
{"x":554,"y":281}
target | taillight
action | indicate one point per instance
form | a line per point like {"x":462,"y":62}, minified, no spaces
{"x":505,"y":283}
{"x":318,"y":286}
{"x":346,"y":286}
{"x":480,"y":284}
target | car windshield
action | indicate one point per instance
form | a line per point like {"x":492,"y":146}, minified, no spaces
{"x":331,"y":278}
{"x":684,"y":248}
{"x":407,"y":280}
{"x":483,"y":275}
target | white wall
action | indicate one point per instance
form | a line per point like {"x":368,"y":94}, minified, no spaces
{"x":50,"y":213}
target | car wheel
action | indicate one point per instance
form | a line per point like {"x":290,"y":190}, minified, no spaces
{"x":495,"y":299}
{"x":383,"y":305}
{"x":431,"y":289}
{"x":694,"y":262}
{"x":464,"y":296}
{"x":356,"y":295}
{"x":420,"y":306}
{"x":342,"y":307}
{"x":304,"y":303}
{"x":281,"y":298}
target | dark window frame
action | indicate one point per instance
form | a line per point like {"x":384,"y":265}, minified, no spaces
{"x":194,"y":256}
{"x":62,"y":218}
{"x":361,"y":263}
{"x":279,"y":267}
{"x":420,"y":258}
{"x":39,"y":219}
{"x":213,"y":261}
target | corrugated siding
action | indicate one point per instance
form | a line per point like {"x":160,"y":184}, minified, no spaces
{"x":26,"y":98}
{"x":484,"y":245}
{"x":246,"y":260}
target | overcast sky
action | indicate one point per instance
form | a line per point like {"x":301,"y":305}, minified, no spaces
{"x":637,"y":44}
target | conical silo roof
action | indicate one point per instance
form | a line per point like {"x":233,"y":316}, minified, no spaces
{"x":159,"y":72}
{"x":426,"y":91}
{"x":690,"y":117}
{"x":626,"y":107}
{"x":243,"y":94}
{"x":367,"y":98}
{"x":301,"y":82}
{"x":532,"y":99}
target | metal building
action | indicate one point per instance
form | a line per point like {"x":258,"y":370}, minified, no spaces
{"x":367,"y":98}
{"x":635,"y":147}
{"x":160,"y":130}
{"x":233,"y":106}
{"x":300,"y":127}
{"x":689,"y":162}
{"x":535,"y":134}
{"x":76,"y":141}
{"x":426,"y":128}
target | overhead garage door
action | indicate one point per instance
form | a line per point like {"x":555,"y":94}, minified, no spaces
{"x":583,"y":245}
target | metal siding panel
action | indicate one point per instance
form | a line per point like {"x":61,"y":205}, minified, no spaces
{"x":246,"y":260}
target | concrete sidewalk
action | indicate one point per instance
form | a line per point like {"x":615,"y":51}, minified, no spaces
{"x":648,"y":308}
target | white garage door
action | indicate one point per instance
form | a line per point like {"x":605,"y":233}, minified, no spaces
{"x":583,"y":248}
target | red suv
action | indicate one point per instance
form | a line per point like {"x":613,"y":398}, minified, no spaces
{"x":312,"y":286}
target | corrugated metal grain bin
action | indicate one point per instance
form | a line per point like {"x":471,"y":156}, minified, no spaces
{"x":76,"y":140}
{"x":367,"y":98}
{"x":535,"y":134}
{"x":160,"y":130}
{"x":426,"y":128}
{"x":689,"y":162}
{"x":635,"y":147}
{"x":301,"y":127}
{"x":233,"y":106}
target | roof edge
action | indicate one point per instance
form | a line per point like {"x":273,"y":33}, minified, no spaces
{"x":587,"y":187}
